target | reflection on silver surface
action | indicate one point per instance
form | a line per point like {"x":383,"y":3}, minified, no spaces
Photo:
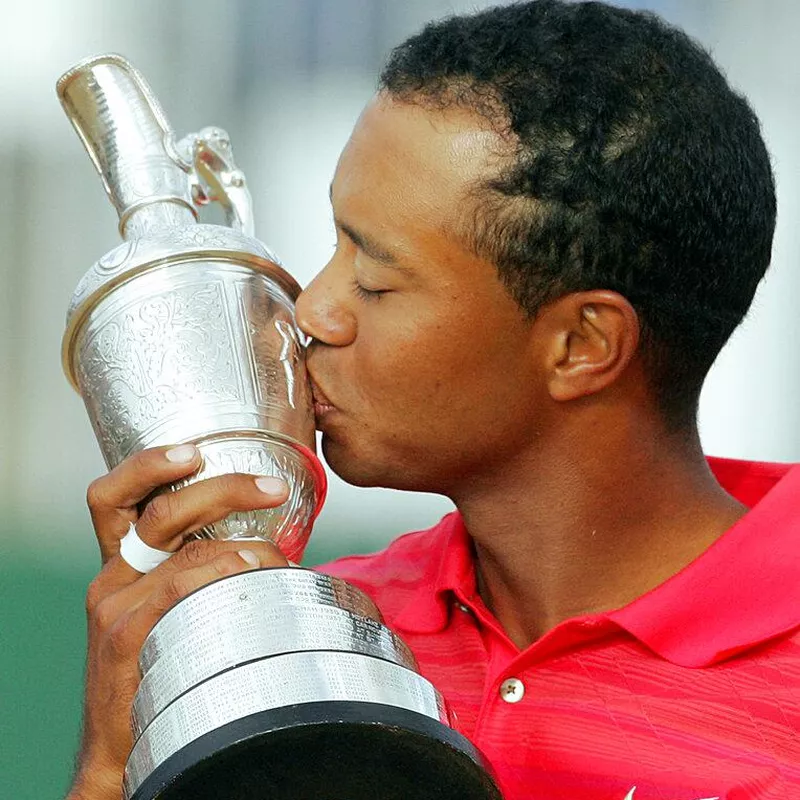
{"x":277,"y":682}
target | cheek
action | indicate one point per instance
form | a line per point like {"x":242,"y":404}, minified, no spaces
{"x":404,"y":363}
{"x":439,"y":381}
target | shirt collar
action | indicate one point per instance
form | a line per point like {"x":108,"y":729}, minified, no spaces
{"x":740,"y":592}
{"x":450,"y":573}
{"x":743,"y":590}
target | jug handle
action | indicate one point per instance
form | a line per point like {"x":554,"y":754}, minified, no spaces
{"x":214,"y":177}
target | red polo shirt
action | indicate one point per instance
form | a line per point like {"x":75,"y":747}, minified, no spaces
{"x":691,"y":692}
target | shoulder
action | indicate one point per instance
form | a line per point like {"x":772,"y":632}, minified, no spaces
{"x":394,"y":575}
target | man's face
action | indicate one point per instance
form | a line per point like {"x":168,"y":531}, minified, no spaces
{"x":421,"y":360}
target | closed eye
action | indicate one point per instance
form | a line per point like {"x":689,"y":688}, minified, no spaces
{"x":368,"y":294}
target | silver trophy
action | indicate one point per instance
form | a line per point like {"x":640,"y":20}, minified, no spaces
{"x":276,"y":683}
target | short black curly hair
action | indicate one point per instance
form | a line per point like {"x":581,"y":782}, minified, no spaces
{"x":637,"y":169}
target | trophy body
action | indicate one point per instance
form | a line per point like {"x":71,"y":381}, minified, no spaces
{"x":188,"y":335}
{"x":276,"y":683}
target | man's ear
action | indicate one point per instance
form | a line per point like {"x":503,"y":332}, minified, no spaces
{"x":593,"y":337}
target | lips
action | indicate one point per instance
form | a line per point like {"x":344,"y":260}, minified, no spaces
{"x":322,"y":405}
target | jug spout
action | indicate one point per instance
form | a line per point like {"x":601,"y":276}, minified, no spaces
{"x":130,"y":142}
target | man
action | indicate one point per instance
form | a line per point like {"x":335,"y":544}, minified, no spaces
{"x":550,"y":219}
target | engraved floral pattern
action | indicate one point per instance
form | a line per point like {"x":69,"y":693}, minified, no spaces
{"x":149,"y":361}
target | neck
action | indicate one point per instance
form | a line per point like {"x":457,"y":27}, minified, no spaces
{"x":588,"y":532}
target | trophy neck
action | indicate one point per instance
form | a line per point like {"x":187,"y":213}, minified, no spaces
{"x":130,"y":143}
{"x":148,"y":218}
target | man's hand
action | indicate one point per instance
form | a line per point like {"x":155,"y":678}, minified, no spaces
{"x":123,"y":605}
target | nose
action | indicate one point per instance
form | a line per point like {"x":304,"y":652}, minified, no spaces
{"x":322,"y":312}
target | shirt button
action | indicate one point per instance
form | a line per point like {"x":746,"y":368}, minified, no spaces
{"x":462,"y":607}
{"x":512,"y":690}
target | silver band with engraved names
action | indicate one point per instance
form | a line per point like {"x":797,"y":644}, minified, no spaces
{"x":259,"y":633}
{"x":284,"y":680}
{"x":226,"y":600}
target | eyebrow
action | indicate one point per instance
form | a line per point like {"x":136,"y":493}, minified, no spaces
{"x":368,"y":245}
{"x":363,"y":241}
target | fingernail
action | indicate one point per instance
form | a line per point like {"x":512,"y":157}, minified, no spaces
{"x":182,"y":454}
{"x":249,"y":557}
{"x":273,"y":486}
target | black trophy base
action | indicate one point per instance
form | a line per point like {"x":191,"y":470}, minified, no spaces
{"x":325,"y":751}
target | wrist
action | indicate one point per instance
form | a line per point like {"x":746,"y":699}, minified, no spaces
{"x":96,"y":783}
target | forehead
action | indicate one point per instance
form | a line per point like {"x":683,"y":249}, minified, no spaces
{"x":407,"y":162}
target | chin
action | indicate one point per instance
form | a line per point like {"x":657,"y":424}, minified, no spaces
{"x":367,"y":470}
{"x":351,"y":468}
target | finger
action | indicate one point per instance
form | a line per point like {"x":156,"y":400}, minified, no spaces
{"x":113,"y":498}
{"x":171,"y":516}
{"x":131,"y":626}
{"x":194,"y":566}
